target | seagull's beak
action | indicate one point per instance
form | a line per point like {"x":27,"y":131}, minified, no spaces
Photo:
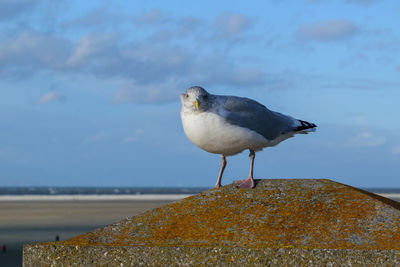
{"x":196,"y":104}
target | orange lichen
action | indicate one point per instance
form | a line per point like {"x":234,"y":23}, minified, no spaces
{"x":277,"y":213}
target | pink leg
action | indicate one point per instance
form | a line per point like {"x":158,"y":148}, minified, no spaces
{"x":249,"y":181}
{"x":221,"y":171}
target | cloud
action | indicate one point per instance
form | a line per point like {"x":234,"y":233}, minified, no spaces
{"x":51,"y":97}
{"x":361,"y":2}
{"x":326,"y":31}
{"x":233,"y":77}
{"x":27,"y":52}
{"x":129,"y":139}
{"x":145,"y":65}
{"x":189,"y":25}
{"x":133,"y":138}
{"x":216,"y":69}
{"x":103,"y":17}
{"x":212,"y":70}
{"x":30,"y":53}
{"x":356,"y":2}
{"x":144,"y":94}
{"x":396,"y":150}
{"x":142,"y":62}
{"x":248,"y":76}
{"x":90,"y":48}
{"x":163,"y":35}
{"x":230,"y":24}
{"x":14,"y":8}
{"x":153,"y":16}
{"x":96,"y":138}
{"x":366,"y":139}
{"x":360,"y":120}
{"x":383,"y":43}
{"x":362,"y":84}
{"x":156,"y":64}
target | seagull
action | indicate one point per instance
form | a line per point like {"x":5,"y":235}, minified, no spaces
{"x":227,"y":125}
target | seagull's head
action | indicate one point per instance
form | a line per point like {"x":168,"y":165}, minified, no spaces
{"x":196,"y":99}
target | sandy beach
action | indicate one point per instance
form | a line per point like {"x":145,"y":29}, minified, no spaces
{"x":31,"y":221}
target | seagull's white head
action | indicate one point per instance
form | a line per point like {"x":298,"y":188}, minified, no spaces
{"x":196,"y":99}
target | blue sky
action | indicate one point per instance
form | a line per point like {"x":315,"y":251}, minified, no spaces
{"x":89,"y":90}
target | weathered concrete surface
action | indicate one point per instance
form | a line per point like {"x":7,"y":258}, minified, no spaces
{"x":280,"y":221}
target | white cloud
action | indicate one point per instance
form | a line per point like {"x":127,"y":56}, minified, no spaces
{"x":361,"y":2}
{"x":383,"y":43}
{"x":143,"y":94}
{"x":30,"y":52}
{"x":228,"y":75}
{"x":141,"y":63}
{"x":157,"y":64}
{"x":327,"y":30}
{"x":362,"y":84}
{"x":366,"y":139}
{"x":13,"y":8}
{"x":133,"y":138}
{"x":51,"y":97}
{"x":129,"y":139}
{"x":248,"y":76}
{"x":230,"y":24}
{"x":396,"y":150}
{"x":154,"y":73}
{"x":88,"y":47}
{"x":189,"y":26}
{"x":98,"y":18}
{"x":96,"y":138}
{"x":360,"y":120}
{"x":163,"y":35}
{"x":99,"y":137}
{"x":356,"y":2}
{"x":152,"y":16}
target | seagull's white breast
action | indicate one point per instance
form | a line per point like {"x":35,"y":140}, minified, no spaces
{"x":212,"y":133}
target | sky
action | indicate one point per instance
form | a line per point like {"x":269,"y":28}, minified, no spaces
{"x":89,"y":90}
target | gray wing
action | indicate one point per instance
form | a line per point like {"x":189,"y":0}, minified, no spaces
{"x":245,"y":112}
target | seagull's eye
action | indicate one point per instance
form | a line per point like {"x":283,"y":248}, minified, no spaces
{"x":186,"y":95}
{"x":205,"y":97}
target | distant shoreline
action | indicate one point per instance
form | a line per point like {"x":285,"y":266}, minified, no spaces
{"x":395,"y":196}
{"x":137,"y":197}
{"x":122,"y":197}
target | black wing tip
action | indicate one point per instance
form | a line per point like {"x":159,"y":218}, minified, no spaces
{"x":305,"y":125}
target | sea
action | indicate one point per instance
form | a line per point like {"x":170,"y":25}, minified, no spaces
{"x":126,"y":193}
{"x":99,"y":190}
{"x":97,"y":193}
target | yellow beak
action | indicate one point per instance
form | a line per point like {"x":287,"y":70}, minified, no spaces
{"x":196,"y":104}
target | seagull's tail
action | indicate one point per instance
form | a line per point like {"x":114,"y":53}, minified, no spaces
{"x":305,"y":127}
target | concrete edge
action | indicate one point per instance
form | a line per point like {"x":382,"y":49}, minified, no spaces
{"x":55,"y":255}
